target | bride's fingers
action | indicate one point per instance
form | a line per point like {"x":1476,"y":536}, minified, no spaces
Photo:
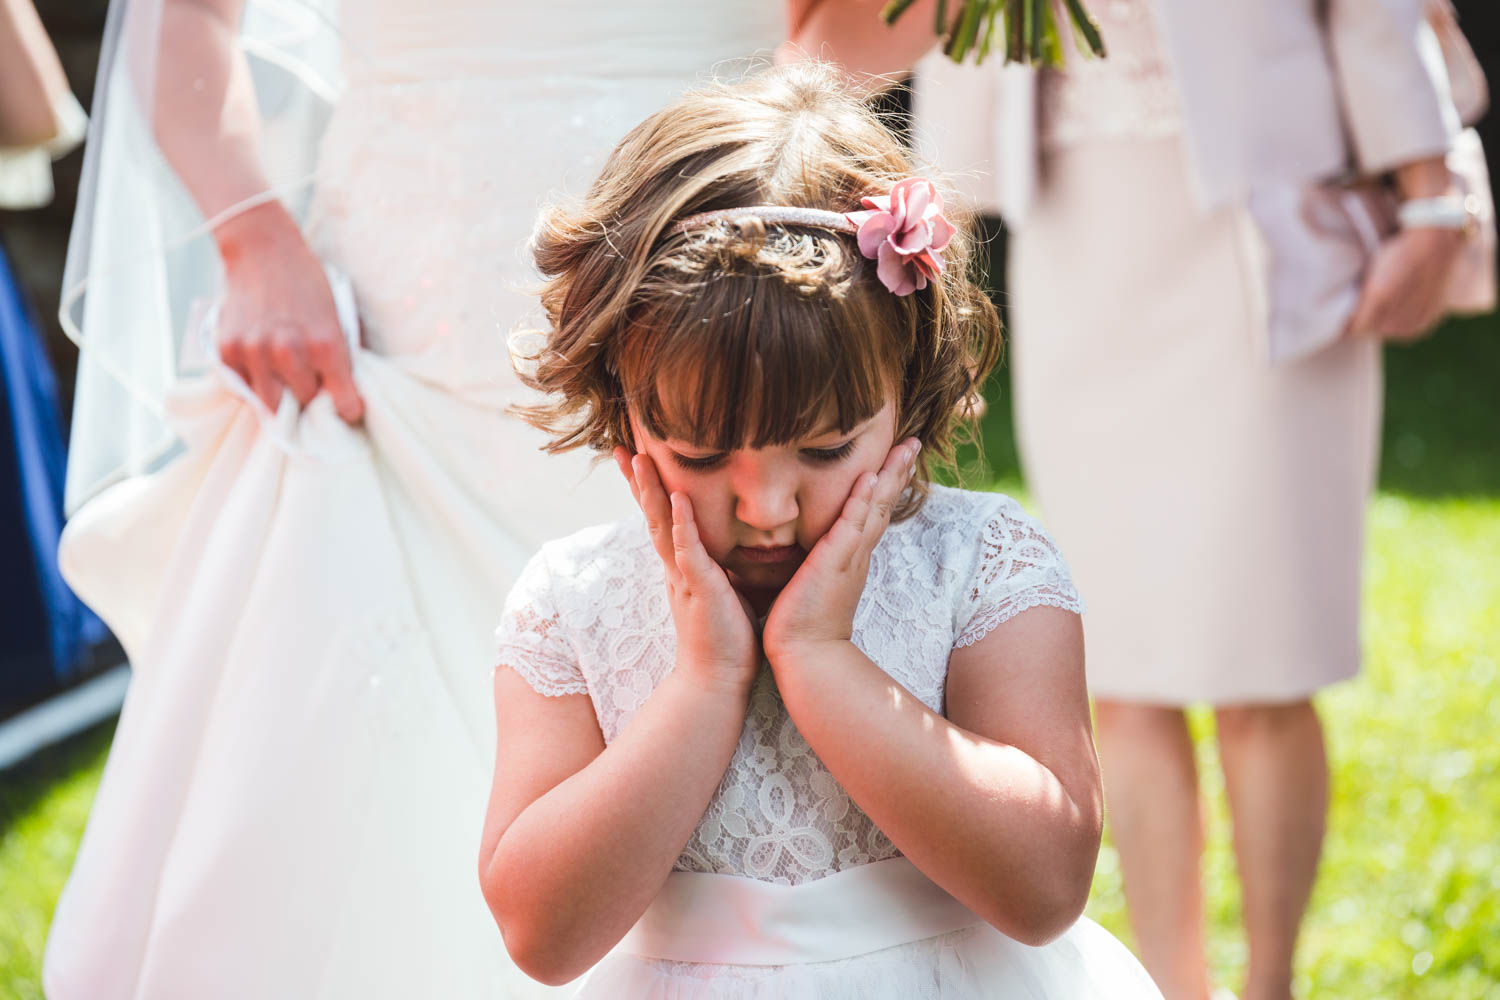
{"x":658,"y":510}
{"x":693,"y":562}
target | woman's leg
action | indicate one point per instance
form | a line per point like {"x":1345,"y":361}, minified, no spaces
{"x":1151,"y":798}
{"x":1276,"y":776}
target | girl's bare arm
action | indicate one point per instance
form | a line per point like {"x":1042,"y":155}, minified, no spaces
{"x":580,"y":837}
{"x":1000,"y":802}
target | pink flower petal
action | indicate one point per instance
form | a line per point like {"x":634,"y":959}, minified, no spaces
{"x":881,"y":203}
{"x":873,"y":231}
{"x":918,"y":195}
{"x":911,"y":239}
{"x":942,"y":232}
{"x":892,"y":271}
{"x":930,"y":265}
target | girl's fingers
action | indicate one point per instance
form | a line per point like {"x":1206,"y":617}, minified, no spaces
{"x":658,"y":510}
{"x":841,"y":543}
{"x":899,"y":467}
{"x":692,"y":558}
{"x":622,"y":462}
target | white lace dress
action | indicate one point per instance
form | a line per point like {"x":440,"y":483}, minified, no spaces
{"x":590,"y":616}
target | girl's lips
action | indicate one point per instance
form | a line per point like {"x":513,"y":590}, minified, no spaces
{"x":772,"y":554}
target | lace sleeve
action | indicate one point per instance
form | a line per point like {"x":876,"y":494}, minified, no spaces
{"x":1018,"y":567}
{"x":531,"y":638}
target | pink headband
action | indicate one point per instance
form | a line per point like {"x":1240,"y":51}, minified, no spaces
{"x":904,"y":232}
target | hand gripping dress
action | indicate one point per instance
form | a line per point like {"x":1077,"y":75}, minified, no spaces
{"x":786,"y":889}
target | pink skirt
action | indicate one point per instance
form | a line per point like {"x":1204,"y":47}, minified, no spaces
{"x":1210,"y":505}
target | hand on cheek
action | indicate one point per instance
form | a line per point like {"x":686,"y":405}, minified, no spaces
{"x":818,"y":604}
{"x":716,"y":640}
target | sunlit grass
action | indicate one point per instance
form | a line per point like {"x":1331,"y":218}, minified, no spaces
{"x":43,"y":806}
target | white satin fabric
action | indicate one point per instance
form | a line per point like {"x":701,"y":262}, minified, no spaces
{"x":882,"y":931}
{"x":293,"y":800}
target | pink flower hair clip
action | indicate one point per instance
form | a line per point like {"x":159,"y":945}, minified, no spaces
{"x":904,"y":232}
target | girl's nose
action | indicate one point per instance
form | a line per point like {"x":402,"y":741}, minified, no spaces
{"x":765,"y":500}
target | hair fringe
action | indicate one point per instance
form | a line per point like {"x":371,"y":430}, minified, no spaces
{"x":741,"y":304}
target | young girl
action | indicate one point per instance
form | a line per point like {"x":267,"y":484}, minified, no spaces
{"x":814,"y":727}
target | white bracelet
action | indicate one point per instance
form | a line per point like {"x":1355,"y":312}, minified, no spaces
{"x":1447,"y":212}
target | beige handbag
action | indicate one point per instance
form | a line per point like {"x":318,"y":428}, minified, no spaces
{"x":1321,"y":238}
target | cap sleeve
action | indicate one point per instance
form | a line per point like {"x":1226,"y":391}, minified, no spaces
{"x":1017,"y":566}
{"x":532,"y":639}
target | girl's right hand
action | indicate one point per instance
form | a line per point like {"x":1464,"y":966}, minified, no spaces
{"x":716,"y":640}
{"x":278,"y":326}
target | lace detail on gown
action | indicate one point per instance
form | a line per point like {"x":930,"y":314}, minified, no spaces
{"x":1129,"y":95}
{"x":1015,"y":550}
{"x":590,"y":614}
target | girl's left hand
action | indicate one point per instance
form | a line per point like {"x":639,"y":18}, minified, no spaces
{"x":817,"y":604}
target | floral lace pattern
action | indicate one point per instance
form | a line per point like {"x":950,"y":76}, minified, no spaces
{"x":1129,"y":95}
{"x":590,"y":615}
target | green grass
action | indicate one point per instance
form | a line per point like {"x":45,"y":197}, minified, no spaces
{"x":43,"y":805}
{"x":1408,"y":901}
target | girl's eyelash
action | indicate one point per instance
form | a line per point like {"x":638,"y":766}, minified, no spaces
{"x":697,"y":464}
{"x":817,"y":455}
{"x":829,"y":455}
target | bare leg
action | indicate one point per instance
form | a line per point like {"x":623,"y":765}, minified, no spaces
{"x":1276,"y":776}
{"x":1151,"y":794}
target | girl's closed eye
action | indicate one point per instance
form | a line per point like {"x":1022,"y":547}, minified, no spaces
{"x":827,"y":456}
{"x":817,"y":456}
{"x":696,"y":463}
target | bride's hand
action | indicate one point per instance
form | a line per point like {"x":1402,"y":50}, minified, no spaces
{"x":716,"y":639}
{"x":278,"y":326}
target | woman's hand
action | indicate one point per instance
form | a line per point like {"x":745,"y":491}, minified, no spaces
{"x":1405,"y":293}
{"x":818,"y":603}
{"x":1406,"y":290}
{"x":278,"y":326}
{"x":716,"y":639}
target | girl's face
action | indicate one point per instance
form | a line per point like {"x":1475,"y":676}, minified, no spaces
{"x":761,"y":510}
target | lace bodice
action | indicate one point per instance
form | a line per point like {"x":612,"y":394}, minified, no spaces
{"x":459,"y":119}
{"x":1129,"y":95}
{"x":590,"y":616}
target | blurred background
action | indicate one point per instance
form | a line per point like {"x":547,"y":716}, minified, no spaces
{"x":1408,"y":902}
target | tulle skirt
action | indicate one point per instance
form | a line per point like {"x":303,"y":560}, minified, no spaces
{"x":878,"y":931}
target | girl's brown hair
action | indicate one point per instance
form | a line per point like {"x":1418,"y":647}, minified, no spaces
{"x":758,"y":334}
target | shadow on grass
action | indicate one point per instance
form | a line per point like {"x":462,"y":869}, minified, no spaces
{"x":22,"y":786}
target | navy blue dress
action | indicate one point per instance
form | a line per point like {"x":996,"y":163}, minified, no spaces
{"x":45,"y":631}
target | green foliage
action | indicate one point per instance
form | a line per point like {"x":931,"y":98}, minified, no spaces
{"x":1027,"y":30}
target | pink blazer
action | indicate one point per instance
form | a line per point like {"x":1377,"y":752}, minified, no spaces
{"x":1270,"y":89}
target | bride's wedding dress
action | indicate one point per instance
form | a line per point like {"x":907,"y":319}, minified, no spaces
{"x":293,"y":800}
